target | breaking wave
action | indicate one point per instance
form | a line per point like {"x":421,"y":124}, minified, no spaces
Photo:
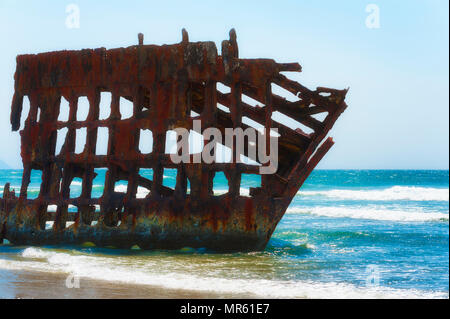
{"x":104,"y":268}
{"x":417,"y":215}
{"x":411,"y":193}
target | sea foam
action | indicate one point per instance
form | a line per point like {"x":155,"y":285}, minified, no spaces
{"x":416,"y":215}
{"x":411,"y":193}
{"x":108,"y":269}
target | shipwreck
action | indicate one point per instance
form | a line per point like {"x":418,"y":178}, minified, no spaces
{"x":165,"y":84}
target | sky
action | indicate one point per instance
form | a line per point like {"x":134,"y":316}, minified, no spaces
{"x":397,"y":71}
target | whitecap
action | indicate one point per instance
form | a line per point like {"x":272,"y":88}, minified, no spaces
{"x":416,"y":215}
{"x":411,"y":193}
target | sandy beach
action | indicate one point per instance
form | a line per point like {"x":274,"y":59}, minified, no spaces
{"x":44,"y":285}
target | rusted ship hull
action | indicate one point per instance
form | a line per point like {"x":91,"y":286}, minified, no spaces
{"x":219,"y":224}
{"x":165,"y":84}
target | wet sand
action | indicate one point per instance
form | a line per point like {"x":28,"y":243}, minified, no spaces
{"x":43,"y":285}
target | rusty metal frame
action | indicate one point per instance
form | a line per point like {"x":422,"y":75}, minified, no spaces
{"x":165,"y":83}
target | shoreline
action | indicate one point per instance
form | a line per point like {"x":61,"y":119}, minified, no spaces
{"x":22,"y":284}
{"x":44,"y":285}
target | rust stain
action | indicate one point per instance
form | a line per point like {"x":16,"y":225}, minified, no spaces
{"x":164,"y":84}
{"x":249,"y":215}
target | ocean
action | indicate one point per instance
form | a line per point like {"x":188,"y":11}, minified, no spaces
{"x":346,"y":234}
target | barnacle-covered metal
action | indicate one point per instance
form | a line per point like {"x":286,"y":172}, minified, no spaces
{"x":169,"y":86}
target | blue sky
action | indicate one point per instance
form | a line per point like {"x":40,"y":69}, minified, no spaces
{"x":398,"y":74}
